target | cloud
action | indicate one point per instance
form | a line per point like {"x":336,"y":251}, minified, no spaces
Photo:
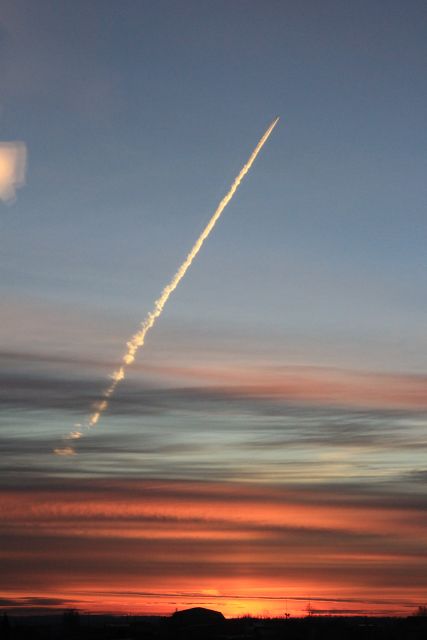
{"x":33,"y":601}
{"x":267,"y":392}
{"x":13,"y":160}
{"x":241,"y":430}
{"x":131,"y":541}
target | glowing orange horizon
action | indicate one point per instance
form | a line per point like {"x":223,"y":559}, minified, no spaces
{"x":92,"y":599}
{"x":154,"y":546}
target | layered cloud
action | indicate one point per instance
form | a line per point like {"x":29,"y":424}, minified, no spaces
{"x":299,"y":386}
{"x":231,"y":487}
{"x":259,"y":424}
{"x":153,"y":545}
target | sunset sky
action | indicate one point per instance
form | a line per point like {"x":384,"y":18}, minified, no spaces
{"x":267,"y":449}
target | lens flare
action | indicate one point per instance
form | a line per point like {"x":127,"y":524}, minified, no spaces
{"x":138,"y":339}
{"x":13,"y":160}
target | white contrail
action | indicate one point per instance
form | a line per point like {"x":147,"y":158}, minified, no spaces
{"x":138,"y":339}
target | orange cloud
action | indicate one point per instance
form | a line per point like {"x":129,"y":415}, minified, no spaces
{"x":315,"y":385}
{"x":152,"y":546}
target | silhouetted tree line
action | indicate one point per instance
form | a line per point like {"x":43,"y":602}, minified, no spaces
{"x":74,"y":626}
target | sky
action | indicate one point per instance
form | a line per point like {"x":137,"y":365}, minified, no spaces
{"x":268,"y":447}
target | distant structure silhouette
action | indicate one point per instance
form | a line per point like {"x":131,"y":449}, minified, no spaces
{"x":421,"y":611}
{"x":70,"y":622}
{"x":197,"y":617}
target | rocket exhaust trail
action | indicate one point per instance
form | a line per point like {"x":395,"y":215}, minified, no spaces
{"x":138,"y":338}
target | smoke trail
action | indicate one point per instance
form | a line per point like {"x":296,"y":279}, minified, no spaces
{"x":138,"y":338}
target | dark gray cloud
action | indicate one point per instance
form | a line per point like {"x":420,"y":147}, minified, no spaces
{"x":372,"y":496}
{"x":210,"y":432}
{"x":34,"y":601}
{"x":27,"y":359}
{"x":200,"y":432}
{"x":36,"y":392}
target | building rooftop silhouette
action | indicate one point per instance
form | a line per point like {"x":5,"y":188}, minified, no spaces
{"x":197,"y":616}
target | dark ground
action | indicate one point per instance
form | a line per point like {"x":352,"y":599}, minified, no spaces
{"x":73,"y":626}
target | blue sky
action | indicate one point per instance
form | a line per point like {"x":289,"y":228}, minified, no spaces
{"x":131,"y":148}
{"x":294,"y":351}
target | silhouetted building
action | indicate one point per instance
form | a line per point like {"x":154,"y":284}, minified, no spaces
{"x":197,"y":618}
